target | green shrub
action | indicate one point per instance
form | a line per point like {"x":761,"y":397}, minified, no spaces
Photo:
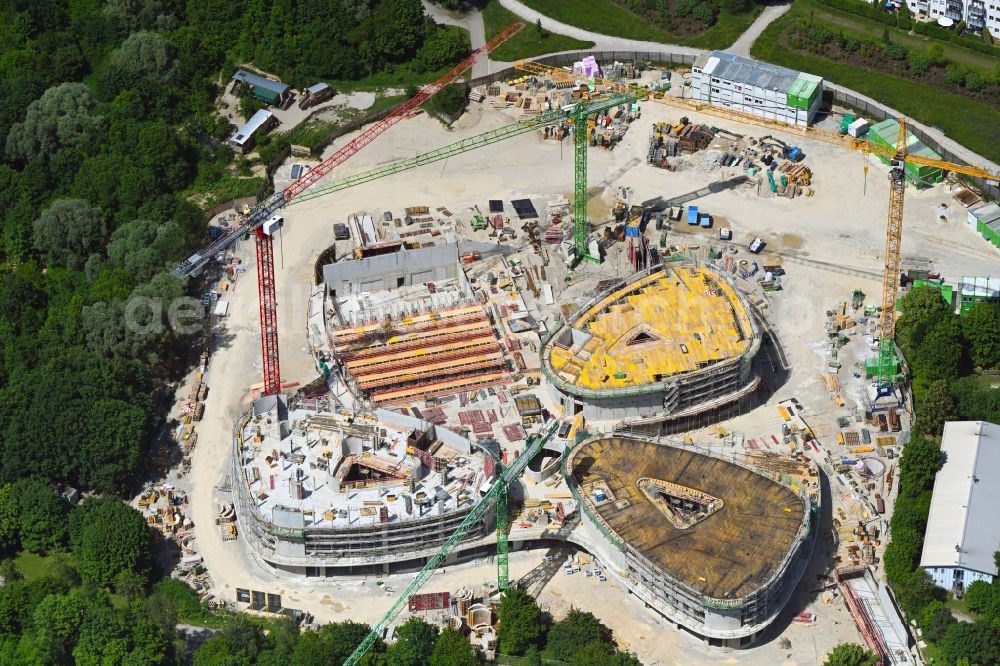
{"x":918,"y":63}
{"x":974,"y":81}
{"x":896,"y":51}
{"x":955,"y":74}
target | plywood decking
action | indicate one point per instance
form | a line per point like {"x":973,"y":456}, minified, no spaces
{"x":728,"y":554}
{"x":668,"y":323}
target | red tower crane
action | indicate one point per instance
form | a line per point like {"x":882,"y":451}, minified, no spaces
{"x":260,"y":219}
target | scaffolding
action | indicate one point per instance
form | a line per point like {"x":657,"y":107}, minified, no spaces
{"x":401,"y":360}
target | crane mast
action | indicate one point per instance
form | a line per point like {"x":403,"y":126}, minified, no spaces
{"x":893,"y":259}
{"x":255,"y":219}
{"x":886,"y":372}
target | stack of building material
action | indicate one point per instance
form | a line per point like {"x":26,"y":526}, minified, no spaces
{"x":554,"y":234}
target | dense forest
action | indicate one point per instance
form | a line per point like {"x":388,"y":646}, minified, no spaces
{"x":107,"y":134}
{"x":108,"y":139}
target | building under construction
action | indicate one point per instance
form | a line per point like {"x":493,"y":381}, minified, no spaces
{"x":324,"y":494}
{"x":669,"y":343}
{"x":716,"y":545}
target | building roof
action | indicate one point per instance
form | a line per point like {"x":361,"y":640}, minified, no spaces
{"x":251,"y":127}
{"x":259,"y":81}
{"x":962,"y":529}
{"x":729,"y":553}
{"x":751,"y":72}
{"x":987,"y":213}
{"x":318,"y":87}
{"x":665,"y":324}
{"x":982,"y":287}
{"x":888,"y":132}
{"x":412,"y":260}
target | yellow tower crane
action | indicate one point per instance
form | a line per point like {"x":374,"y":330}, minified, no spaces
{"x":886,"y":372}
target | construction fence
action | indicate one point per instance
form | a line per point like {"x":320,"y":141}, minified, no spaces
{"x":871,"y":109}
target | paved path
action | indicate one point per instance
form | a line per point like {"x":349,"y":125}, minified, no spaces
{"x":471,"y":21}
{"x":601,"y":42}
{"x":742,"y":45}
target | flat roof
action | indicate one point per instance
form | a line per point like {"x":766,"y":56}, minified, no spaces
{"x":728,"y":554}
{"x":982,"y":287}
{"x":752,"y":72}
{"x":987,"y":213}
{"x":670,"y":322}
{"x":342,"y":470}
{"x":251,"y":127}
{"x":962,"y":529}
{"x":259,"y":81}
{"x":318,"y":87}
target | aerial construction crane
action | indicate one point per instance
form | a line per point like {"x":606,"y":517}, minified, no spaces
{"x":496,"y":495}
{"x":886,"y":371}
{"x":261,"y":222}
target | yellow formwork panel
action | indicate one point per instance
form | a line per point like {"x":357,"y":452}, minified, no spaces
{"x":665,"y":325}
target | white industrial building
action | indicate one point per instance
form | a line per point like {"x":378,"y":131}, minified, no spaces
{"x":962,"y":529}
{"x":977,"y":14}
{"x":747,"y":85}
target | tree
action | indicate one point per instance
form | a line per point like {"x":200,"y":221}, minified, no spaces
{"x":920,"y":462}
{"x":146,"y":55}
{"x":915,"y":590}
{"x":67,"y":232}
{"x":414,"y":643}
{"x":132,"y":15}
{"x":573,"y":632}
{"x":937,"y":408}
{"x":331,"y":644}
{"x":935,"y":54}
{"x":454,"y":649}
{"x":850,"y":654}
{"x":109,"y":539}
{"x":978,"y":595}
{"x":520,"y":623}
{"x":43,"y":514}
{"x":935,"y":620}
{"x":939,"y":354}
{"x":445,"y":46}
{"x":979,"y":643}
{"x":60,"y":118}
{"x":921,"y":304}
{"x":981,"y":327}
{"x":10,"y":520}
{"x":135,"y":248}
{"x":451,"y":101}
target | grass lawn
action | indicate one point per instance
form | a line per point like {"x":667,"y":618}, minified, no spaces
{"x":977,"y":127}
{"x":227,"y":189}
{"x":33,"y":566}
{"x":860,"y":26}
{"x":310,"y":132}
{"x":526,"y":44}
{"x":609,"y":18}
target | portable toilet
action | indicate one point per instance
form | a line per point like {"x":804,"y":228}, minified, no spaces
{"x":692,"y":215}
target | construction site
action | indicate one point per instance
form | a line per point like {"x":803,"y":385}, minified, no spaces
{"x":481,"y":360}
{"x":715,"y":545}
{"x":672,"y":342}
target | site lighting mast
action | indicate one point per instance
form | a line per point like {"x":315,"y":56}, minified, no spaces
{"x":262,"y":223}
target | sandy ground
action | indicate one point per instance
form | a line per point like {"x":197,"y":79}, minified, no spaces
{"x":842,"y":226}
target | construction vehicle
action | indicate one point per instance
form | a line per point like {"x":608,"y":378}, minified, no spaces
{"x":478,"y":220}
{"x":885,"y":367}
{"x":261,"y":220}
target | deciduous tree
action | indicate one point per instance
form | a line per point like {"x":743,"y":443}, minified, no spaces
{"x":60,"y":118}
{"x":67,"y":232}
{"x":520,"y":622}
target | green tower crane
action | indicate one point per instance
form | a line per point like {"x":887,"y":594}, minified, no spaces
{"x":495,"y":495}
{"x":581,"y":223}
